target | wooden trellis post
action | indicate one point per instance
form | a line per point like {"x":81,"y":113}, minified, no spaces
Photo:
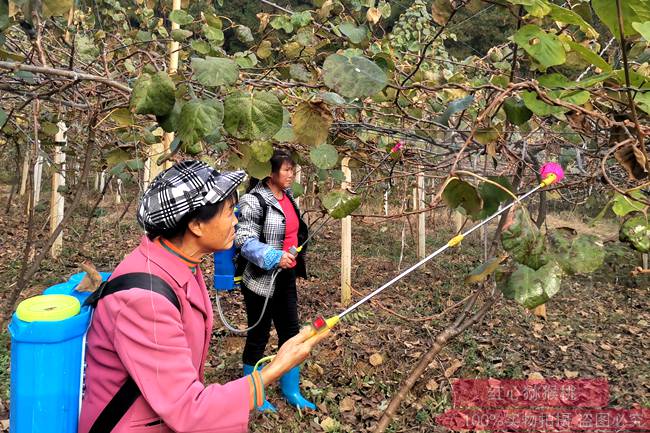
{"x":57,"y":202}
{"x":38,"y":176}
{"x":346,"y":242}
{"x":24,"y":174}
{"x":298,"y":180}
{"x":118,"y":191}
{"x":159,"y":149}
{"x":421,"y":205}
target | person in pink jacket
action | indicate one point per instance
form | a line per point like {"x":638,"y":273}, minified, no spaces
{"x":187,"y":212}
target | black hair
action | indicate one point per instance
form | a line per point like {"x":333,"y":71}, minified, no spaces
{"x":202,"y":214}
{"x":280,"y":156}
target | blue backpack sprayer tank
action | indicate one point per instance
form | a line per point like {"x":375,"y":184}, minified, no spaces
{"x":228,"y":272}
{"x":47,"y":352}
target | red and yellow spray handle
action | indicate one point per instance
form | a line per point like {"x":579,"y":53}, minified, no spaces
{"x":550,"y":173}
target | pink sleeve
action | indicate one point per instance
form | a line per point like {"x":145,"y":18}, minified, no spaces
{"x":150,"y":341}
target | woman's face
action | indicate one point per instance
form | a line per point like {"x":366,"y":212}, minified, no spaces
{"x":284,"y":177}
{"x":218,"y":233}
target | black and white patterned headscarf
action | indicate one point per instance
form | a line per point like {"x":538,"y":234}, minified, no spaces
{"x":181,"y":189}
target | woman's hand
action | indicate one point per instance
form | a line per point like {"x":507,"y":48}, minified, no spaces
{"x":292,"y":353}
{"x":287,"y":260}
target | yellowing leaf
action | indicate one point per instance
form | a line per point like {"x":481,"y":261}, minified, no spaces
{"x":373,"y":15}
{"x":311,"y":122}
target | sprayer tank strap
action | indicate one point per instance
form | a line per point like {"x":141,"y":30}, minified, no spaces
{"x":128,"y":392}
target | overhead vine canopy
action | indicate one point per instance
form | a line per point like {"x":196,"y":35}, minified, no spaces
{"x":329,"y":79}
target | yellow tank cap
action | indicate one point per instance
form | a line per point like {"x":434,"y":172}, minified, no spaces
{"x":48,"y":308}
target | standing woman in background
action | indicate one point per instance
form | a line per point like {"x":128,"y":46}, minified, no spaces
{"x":269,"y":226}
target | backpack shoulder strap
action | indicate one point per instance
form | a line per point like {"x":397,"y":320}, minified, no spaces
{"x":128,"y":392}
{"x":265,"y":208}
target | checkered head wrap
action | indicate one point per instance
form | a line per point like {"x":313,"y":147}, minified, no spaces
{"x":181,"y":189}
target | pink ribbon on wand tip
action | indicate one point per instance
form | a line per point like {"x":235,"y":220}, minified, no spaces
{"x":552,"y":168}
{"x":397,"y":147}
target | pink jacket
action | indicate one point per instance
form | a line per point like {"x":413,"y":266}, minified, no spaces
{"x":140,"y":333}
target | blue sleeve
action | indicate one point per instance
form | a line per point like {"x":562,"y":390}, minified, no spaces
{"x":261,"y":254}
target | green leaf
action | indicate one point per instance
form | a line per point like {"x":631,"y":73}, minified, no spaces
{"x":179,"y":35}
{"x":262,"y":150}
{"x":454,"y":107}
{"x":567,"y":16}
{"x":353,"y":77}
{"x":180,"y":17}
{"x":532,"y":288}
{"x":590,"y":56}
{"x":579,"y":254}
{"x":492,"y":195}
{"x":643,"y":29}
{"x":169,"y":122}
{"x":636,"y":231}
{"x":213,"y":34}
{"x":355,"y":34}
{"x":332,"y":98}
{"x":481,"y":272}
{"x":536,"y":8}
{"x":244,"y":34}
{"x":199,"y":118}
{"x":122,"y":117}
{"x":215,"y":71}
{"x":282,"y":22}
{"x":4,"y":16}
{"x":116,"y":156}
{"x":311,"y":123}
{"x":253,"y":116}
{"x":516,"y":111}
{"x":545,"y":48}
{"x":632,"y":11}
{"x":3,"y":118}
{"x":340,"y":203}
{"x":257,"y":169}
{"x":264,"y":49}
{"x":301,"y":19}
{"x":86,"y":48}
{"x":153,"y":94}
{"x":623,"y":205}
{"x":297,"y":190}
{"x":201,"y":47}
{"x":135,"y":164}
{"x":324,"y":156}
{"x":540,"y":107}
{"x":299,"y":72}
{"x":285,"y":134}
{"x":460,"y":194}
{"x":524,"y":242}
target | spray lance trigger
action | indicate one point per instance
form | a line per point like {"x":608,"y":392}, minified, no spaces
{"x":295,"y":250}
{"x":321,"y":324}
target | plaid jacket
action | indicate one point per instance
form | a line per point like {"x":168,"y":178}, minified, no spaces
{"x":255,"y":278}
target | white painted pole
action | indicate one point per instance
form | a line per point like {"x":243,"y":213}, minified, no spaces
{"x":422,"y":231}
{"x":57,"y":202}
{"x":118,"y":191}
{"x":386,"y":201}
{"x":102,"y":181}
{"x":346,"y":242}
{"x":298,"y":179}
{"x":24,"y":174}
{"x":38,"y":177}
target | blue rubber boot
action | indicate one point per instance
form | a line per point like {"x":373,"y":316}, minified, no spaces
{"x":290,"y":386}
{"x":266,"y":407}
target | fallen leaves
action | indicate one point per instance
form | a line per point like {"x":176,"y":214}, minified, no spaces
{"x":455,"y":365}
{"x":376,"y":359}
